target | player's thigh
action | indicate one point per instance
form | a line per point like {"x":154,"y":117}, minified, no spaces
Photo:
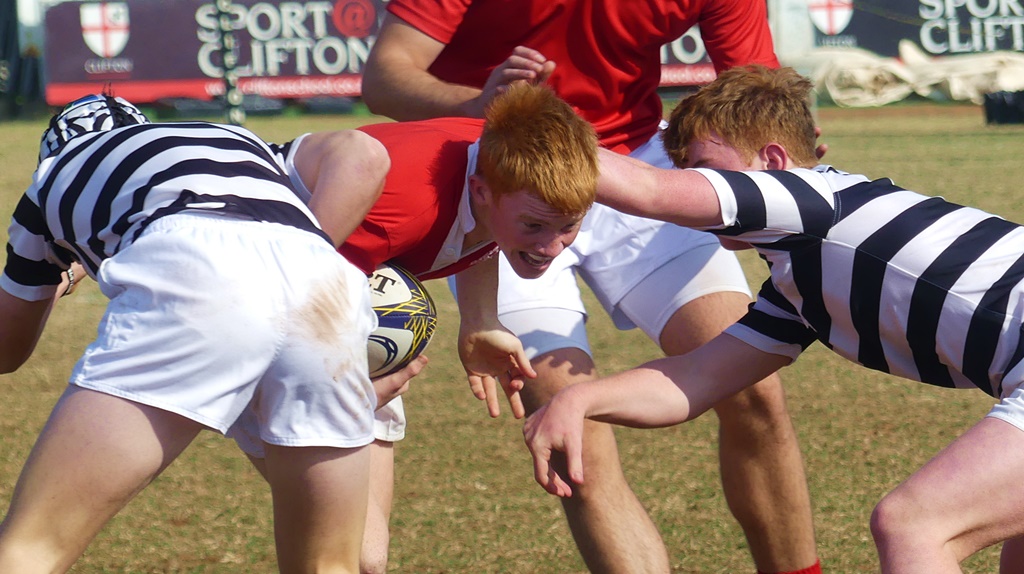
{"x":760,"y":405}
{"x":688,"y":300}
{"x":701,"y":320}
{"x":320,"y":498}
{"x":334,"y":477}
{"x":94,"y":454}
{"x":555,"y":339}
{"x":969,"y":495}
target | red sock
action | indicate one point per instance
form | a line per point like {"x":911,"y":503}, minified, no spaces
{"x":812,"y":569}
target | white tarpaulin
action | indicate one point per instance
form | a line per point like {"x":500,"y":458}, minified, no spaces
{"x":858,"y":78}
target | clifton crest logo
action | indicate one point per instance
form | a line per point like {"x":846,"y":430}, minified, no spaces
{"x":105,"y":27}
{"x":830,"y":17}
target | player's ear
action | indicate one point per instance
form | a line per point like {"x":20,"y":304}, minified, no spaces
{"x":774,"y":156}
{"x":479,"y":191}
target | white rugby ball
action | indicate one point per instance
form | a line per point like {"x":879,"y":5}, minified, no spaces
{"x":406,"y":319}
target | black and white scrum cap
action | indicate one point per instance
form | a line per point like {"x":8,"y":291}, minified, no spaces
{"x":92,"y":113}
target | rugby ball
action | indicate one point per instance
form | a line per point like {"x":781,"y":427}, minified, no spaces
{"x":406,"y":319}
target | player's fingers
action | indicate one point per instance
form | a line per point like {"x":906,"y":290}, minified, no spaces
{"x":528,"y":53}
{"x":493,"y":404}
{"x":546,"y":70}
{"x":540,"y":450}
{"x":515,"y":402}
{"x":512,"y":385}
{"x":559,"y":487}
{"x":522,"y":363}
{"x":416,"y":365}
{"x":574,"y":458}
{"x":516,"y":382}
{"x":542,"y":468}
{"x":476,"y":385}
{"x":515,"y":74}
{"x":546,"y":476}
{"x":525,"y":63}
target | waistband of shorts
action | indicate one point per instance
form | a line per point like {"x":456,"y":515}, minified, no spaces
{"x":219,"y":220}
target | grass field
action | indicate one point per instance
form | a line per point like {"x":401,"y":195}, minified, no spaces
{"x":465,"y":497}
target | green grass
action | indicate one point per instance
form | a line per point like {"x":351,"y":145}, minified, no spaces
{"x":465,"y":496}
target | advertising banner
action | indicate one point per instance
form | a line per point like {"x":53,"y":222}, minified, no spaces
{"x":939,"y":27}
{"x":151,"y":50}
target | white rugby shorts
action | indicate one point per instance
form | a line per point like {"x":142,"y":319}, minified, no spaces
{"x":1011,"y":407}
{"x":212,"y":317}
{"x":389,"y":421}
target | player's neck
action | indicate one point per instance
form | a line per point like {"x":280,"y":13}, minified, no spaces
{"x":478,"y":236}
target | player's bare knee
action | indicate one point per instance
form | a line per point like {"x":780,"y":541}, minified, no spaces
{"x":556,"y":370}
{"x":41,"y":555}
{"x":601,"y":461}
{"x":895,"y":518}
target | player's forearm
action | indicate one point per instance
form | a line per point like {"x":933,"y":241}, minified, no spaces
{"x":639,"y":398}
{"x":22,"y":326}
{"x":681,"y":197}
{"x":476,"y":291}
{"x":675,"y":389}
{"x":710,"y":373}
{"x":406,"y":94}
{"x":397,"y":82}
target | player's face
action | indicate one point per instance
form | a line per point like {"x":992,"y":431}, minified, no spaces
{"x":530,"y":232}
{"x":714,"y":153}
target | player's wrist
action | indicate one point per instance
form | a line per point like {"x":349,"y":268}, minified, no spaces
{"x":70,"y":273}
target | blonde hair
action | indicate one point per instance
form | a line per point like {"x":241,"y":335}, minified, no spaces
{"x":748,"y":107}
{"x":533,"y":140}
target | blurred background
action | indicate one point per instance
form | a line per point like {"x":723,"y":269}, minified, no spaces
{"x":244,"y":57}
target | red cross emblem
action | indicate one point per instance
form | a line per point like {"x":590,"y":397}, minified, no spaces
{"x":105,"y":27}
{"x":830,"y":17}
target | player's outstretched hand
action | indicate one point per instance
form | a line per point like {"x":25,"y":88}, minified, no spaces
{"x":493,"y":358}
{"x":524,"y":65}
{"x":557,"y":426}
{"x":397,"y":383}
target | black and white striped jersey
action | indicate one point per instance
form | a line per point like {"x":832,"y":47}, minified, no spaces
{"x":96,"y":196}
{"x":897,"y":281}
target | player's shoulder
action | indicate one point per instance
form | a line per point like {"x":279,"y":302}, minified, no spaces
{"x":425,"y":139}
{"x":448,"y":128}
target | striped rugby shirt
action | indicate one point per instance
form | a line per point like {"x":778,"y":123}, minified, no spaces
{"x":96,"y":196}
{"x":899,"y":282}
